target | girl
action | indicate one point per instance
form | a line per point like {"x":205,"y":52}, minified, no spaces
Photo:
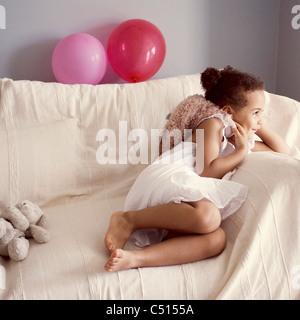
{"x":173,"y":210}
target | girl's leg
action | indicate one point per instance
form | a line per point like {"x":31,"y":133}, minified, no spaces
{"x":199,"y":217}
{"x":178,"y":250}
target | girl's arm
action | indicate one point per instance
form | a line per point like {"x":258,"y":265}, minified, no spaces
{"x":271,"y":141}
{"x":215,"y":167}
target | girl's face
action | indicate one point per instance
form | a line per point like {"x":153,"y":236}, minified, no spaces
{"x":250,"y":116}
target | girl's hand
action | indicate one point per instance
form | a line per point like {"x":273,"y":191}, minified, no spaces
{"x":215,"y":167}
{"x":271,"y":141}
{"x":241,"y":138}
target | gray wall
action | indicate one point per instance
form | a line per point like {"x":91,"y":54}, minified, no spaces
{"x":199,"y":33}
{"x":288,"y":71}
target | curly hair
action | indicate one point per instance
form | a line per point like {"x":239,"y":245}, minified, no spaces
{"x":229,"y":86}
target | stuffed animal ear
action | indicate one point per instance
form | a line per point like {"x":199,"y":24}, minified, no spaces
{"x":30,"y":210}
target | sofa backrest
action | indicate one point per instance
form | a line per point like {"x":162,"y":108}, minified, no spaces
{"x":48,"y":134}
{"x":56,"y":140}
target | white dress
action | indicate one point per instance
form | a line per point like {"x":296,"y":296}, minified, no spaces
{"x":177,"y":181}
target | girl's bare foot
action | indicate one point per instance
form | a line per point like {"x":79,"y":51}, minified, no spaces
{"x":119,"y":231}
{"x":121,"y":260}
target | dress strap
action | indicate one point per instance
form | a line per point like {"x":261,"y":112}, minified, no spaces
{"x":218,"y":116}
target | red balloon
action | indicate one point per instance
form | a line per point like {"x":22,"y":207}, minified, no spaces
{"x":136,"y":50}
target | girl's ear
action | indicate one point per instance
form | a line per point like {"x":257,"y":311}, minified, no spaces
{"x":228,"y":109}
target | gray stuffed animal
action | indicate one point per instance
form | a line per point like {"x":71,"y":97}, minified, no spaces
{"x":12,"y":241}
{"x":25,"y":220}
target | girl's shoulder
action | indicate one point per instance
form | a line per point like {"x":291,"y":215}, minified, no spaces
{"x":216,"y":121}
{"x":212,"y":127}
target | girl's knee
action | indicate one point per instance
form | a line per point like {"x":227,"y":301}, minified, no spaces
{"x":208,"y":216}
{"x":221,"y":240}
{"x":217,"y":242}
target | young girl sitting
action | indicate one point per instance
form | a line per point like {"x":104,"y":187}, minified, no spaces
{"x":174,"y":211}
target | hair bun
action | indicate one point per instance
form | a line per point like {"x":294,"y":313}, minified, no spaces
{"x":209,"y":78}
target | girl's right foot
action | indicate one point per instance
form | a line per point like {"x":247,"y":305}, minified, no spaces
{"x":119,"y":231}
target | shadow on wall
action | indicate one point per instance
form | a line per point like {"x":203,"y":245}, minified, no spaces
{"x":33,"y":62}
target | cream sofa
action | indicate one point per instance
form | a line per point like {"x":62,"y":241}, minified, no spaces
{"x":50,"y":151}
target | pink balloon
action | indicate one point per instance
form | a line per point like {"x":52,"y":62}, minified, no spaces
{"x":79,"y":59}
{"x":136,"y":50}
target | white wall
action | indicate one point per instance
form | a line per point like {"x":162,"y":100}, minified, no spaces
{"x":199,"y":33}
{"x":288,"y":70}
